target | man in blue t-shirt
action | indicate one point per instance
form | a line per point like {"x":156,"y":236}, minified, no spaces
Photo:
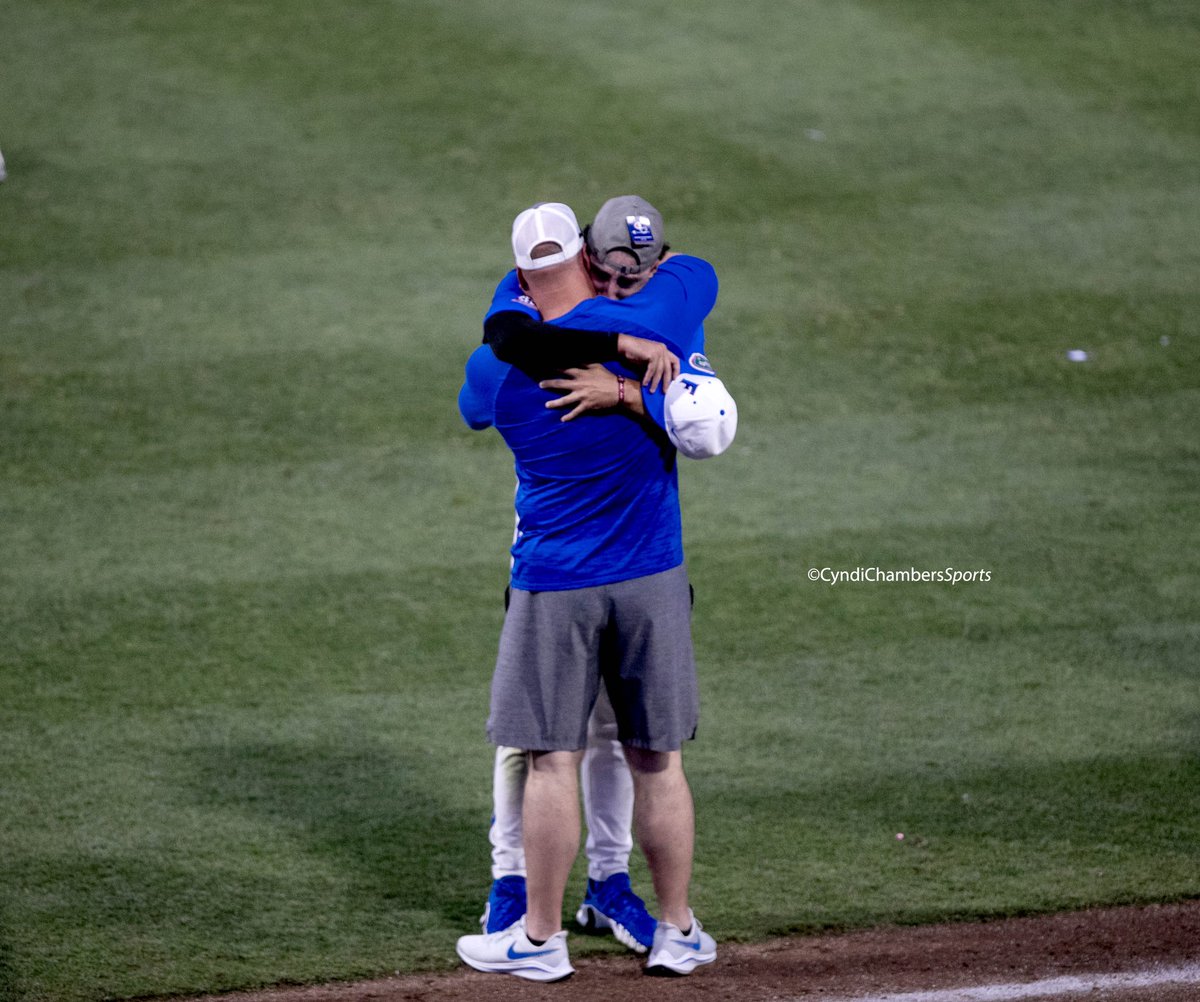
{"x":625,"y":244}
{"x":599,"y":596}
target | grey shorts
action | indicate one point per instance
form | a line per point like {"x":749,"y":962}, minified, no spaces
{"x":558,"y":647}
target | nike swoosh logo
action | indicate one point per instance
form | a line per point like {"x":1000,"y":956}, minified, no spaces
{"x":515,"y":954}
{"x":691,"y":946}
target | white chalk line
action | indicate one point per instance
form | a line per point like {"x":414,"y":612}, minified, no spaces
{"x":1154,"y":977}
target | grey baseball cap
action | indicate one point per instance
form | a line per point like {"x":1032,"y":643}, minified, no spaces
{"x":627,"y":223}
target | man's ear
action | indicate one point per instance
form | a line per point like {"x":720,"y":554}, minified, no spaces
{"x":521,"y":281}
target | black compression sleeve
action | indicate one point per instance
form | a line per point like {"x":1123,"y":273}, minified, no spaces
{"x":520,"y":340}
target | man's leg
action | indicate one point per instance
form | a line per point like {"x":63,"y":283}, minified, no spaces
{"x":666,"y":829}
{"x":545,"y":683}
{"x":551,"y":827}
{"x":609,"y":903}
{"x":535,"y":946}
{"x":543,"y":688}
{"x":665,"y":825}
{"x":607,"y":795}
{"x":655,"y":698}
{"x":656,"y":701}
{"x":508,"y":794}
{"x":506,"y":900}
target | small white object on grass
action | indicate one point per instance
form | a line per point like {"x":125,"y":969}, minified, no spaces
{"x":899,"y":836}
{"x":1077,"y":355}
{"x":3,"y":172}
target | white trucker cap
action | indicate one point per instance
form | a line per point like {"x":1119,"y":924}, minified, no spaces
{"x":546,"y":222}
{"x":701,"y":416}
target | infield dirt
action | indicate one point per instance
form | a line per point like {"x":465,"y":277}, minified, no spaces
{"x":870,"y":964}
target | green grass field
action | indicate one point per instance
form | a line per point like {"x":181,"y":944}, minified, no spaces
{"x":251,"y":560}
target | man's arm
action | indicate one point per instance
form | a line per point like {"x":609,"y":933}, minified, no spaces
{"x":529,"y":342}
{"x":698,"y":413}
{"x":670,"y":309}
{"x":534,"y":345}
{"x":594,"y":388}
{"x":477,"y":398}
{"x":673,"y":304}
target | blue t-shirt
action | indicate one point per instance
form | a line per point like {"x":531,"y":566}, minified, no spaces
{"x":597,"y":499}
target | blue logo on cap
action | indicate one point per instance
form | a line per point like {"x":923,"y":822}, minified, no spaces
{"x":641,"y":233}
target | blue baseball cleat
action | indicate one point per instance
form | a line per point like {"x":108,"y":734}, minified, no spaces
{"x":505,"y":904}
{"x":611,"y":905}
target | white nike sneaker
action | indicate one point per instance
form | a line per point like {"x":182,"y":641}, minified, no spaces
{"x":510,"y":952}
{"x":674,"y":953}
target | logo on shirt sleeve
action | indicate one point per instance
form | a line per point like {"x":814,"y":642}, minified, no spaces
{"x":698,"y":361}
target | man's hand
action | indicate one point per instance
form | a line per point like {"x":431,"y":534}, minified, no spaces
{"x":592,"y":389}
{"x":662,"y":366}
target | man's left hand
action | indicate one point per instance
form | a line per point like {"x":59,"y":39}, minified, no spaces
{"x":590,"y":389}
